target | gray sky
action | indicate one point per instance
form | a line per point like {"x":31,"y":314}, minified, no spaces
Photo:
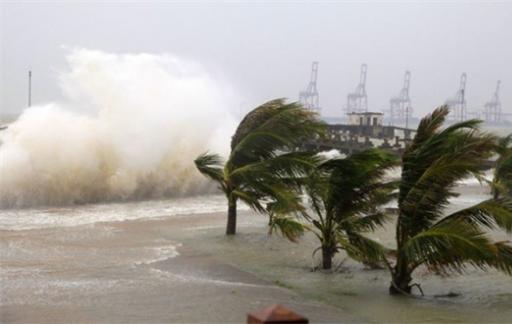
{"x":265,"y":49}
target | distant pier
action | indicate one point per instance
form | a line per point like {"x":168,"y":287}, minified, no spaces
{"x":363,"y":131}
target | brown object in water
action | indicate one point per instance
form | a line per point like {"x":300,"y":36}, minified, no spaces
{"x":275,"y":314}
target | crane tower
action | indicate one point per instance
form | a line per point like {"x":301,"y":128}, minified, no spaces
{"x":492,"y":108}
{"x":310,"y":98}
{"x":457,"y":103}
{"x":357,"y":101}
{"x":400,"y":106}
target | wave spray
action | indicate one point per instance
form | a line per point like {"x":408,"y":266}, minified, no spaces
{"x":130,"y":128}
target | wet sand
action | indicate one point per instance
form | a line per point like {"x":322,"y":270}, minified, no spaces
{"x":133,"y":272}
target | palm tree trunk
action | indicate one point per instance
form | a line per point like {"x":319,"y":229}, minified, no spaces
{"x":231,"y":226}
{"x":400,"y":274}
{"x":401,"y":280}
{"x":327,"y":255}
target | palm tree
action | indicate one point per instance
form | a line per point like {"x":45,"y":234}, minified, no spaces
{"x":431,"y":166}
{"x":264,"y":164}
{"x":502,"y":181}
{"x":345,"y":195}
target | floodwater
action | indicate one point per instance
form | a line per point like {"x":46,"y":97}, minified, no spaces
{"x":482,"y":297}
{"x":86,"y":264}
{"x":168,"y":261}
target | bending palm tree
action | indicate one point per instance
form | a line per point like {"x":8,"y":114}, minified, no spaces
{"x":345,"y":195}
{"x":264,"y":164}
{"x":431,"y":167}
{"x":502,"y":182}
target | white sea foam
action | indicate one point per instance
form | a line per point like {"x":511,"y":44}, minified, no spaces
{"x":161,"y":253}
{"x":130,"y":127}
{"x":33,"y":218}
{"x":205,"y":280}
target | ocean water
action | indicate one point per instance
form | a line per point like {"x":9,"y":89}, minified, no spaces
{"x":63,"y":257}
{"x":89,"y":214}
{"x":100,"y":262}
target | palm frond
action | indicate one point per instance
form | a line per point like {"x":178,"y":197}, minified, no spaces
{"x":257,"y":192}
{"x":504,"y":144}
{"x":365,"y":223}
{"x":502,"y":182}
{"x":210,"y":165}
{"x":491,"y":213}
{"x":288,"y":227}
{"x":293,"y":165}
{"x":254,"y":119}
{"x":253,"y":199}
{"x":279,"y":179}
{"x":448,"y":246}
{"x":362,"y":248}
{"x":502,"y":259}
{"x":274,"y":126}
{"x":357,"y":185}
{"x":428,"y":125}
{"x":433,"y":164}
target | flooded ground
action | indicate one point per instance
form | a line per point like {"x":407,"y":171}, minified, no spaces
{"x":136,"y":271}
{"x":168,"y":261}
{"x":482,"y":297}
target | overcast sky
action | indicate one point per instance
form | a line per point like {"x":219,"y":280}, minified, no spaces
{"x":265,"y":49}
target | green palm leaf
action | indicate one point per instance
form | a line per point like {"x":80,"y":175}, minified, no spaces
{"x":288,"y":227}
{"x":433,"y":165}
{"x":502,"y":259}
{"x":362,"y":248}
{"x":502,"y":182}
{"x":273,"y":127}
{"x":448,"y":246}
{"x":210,"y":165}
{"x":365,"y":223}
{"x":491,"y":213}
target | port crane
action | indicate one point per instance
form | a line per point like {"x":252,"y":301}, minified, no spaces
{"x":492,"y":108}
{"x":457,"y":103}
{"x":310,"y":98}
{"x":400,"y":108}
{"x":357,"y":101}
